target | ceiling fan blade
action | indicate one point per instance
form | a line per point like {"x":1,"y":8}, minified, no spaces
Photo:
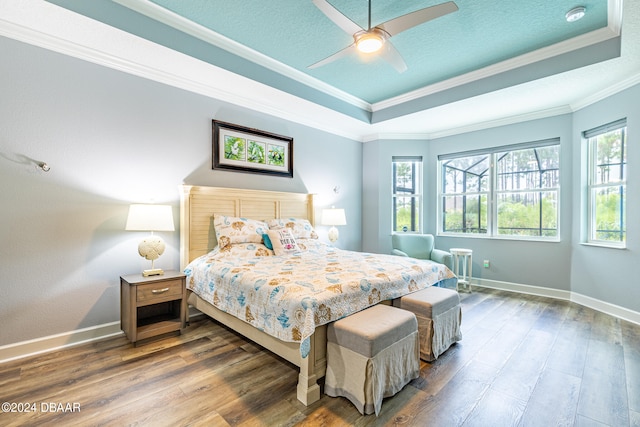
{"x":342,"y":53}
{"x":390,"y":54}
{"x":410,"y":20}
{"x":337,"y":17}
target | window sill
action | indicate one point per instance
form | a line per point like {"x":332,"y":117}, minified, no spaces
{"x":505,"y":238}
{"x":602,"y":245}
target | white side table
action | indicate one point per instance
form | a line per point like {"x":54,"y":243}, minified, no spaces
{"x":464,"y":255}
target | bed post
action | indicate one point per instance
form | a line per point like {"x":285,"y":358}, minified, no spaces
{"x":311,"y":215}
{"x":308,"y":390}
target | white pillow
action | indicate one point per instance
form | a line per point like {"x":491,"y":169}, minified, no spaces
{"x":283,"y":242}
{"x":231,"y":230}
{"x":300,"y":228}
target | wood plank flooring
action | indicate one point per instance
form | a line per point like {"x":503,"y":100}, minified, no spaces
{"x":523,"y":361}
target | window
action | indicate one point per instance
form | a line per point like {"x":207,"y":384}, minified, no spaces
{"x":607,"y":184}
{"x":407,"y":194}
{"x":527,"y":187}
{"x":509,"y":192}
{"x":465,"y":194}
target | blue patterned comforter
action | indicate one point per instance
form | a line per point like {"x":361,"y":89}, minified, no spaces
{"x":289,"y":296}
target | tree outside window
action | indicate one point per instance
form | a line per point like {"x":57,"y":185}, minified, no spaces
{"x":465,"y":194}
{"x":607,"y":184}
{"x":407,"y":195}
{"x":527,"y":191}
{"x":508,"y":192}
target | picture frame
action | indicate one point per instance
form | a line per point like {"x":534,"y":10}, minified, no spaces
{"x":241,"y":149}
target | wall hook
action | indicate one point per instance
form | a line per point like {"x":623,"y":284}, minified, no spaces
{"x":45,"y":167}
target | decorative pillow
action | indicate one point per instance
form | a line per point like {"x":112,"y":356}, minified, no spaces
{"x":283,"y":242}
{"x":267,"y":241}
{"x":245,"y":250}
{"x":300,"y":228}
{"x":231,"y":230}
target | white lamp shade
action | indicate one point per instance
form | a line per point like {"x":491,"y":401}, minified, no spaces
{"x":333,"y":216}
{"x":150,"y":218}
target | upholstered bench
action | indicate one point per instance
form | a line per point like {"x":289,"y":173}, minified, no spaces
{"x":371,"y":355}
{"x":439,"y":315}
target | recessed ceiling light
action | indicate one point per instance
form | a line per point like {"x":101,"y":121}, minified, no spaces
{"x":575,"y":13}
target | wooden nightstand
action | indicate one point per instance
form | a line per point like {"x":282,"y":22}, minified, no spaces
{"x":152,"y":306}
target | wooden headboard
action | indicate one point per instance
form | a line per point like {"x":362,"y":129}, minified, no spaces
{"x":198,"y":204}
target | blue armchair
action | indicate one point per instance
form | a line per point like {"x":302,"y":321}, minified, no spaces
{"x":420,"y":246}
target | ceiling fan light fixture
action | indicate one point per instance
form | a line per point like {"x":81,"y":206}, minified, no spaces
{"x":370,"y":42}
{"x":575,"y":14}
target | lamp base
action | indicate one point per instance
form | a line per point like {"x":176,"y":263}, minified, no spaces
{"x":333,"y":234}
{"x":153,"y":272}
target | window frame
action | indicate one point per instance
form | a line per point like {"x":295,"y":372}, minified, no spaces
{"x":416,"y":196}
{"x":493,"y":192}
{"x":591,"y":139}
{"x":463,"y":195}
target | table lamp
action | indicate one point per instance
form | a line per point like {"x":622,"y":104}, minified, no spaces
{"x":333,"y":217}
{"x":150,"y":218}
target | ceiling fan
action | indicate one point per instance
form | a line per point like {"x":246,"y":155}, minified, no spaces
{"x":376,"y":39}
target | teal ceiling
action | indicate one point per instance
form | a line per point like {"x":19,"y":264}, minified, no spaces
{"x":479,"y":34}
{"x":295,"y":34}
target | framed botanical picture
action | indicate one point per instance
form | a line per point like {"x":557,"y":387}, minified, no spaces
{"x":241,"y":149}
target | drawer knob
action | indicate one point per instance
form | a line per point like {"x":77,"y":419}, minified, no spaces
{"x":159,"y":291}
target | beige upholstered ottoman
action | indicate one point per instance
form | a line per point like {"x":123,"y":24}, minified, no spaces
{"x":439,"y":315}
{"x":371,"y":355}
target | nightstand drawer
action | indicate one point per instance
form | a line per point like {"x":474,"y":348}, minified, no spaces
{"x":157,"y":292}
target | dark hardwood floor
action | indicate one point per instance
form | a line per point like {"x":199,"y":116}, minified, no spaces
{"x":523,"y":361}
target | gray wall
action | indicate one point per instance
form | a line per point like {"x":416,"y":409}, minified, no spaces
{"x":377,"y":189}
{"x":522,"y":262}
{"x":607,"y":274}
{"x":603,"y":274}
{"x":113,"y":139}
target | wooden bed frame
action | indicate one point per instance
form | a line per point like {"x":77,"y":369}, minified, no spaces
{"x":197,"y":237}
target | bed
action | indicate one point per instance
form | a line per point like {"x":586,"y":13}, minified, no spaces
{"x":283,"y":302}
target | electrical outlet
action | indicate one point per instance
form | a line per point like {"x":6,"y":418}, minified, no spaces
{"x":487,"y":264}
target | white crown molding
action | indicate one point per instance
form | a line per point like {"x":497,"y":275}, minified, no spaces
{"x":609,"y":91}
{"x":504,"y":121}
{"x":176,"y":21}
{"x":78,"y":36}
{"x":566,"y":46}
{"x":67,"y":33}
{"x":613,"y":29}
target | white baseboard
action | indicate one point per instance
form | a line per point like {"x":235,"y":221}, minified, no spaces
{"x":107,"y":330}
{"x":601,"y":306}
{"x":36,"y":346}
{"x":607,"y":308}
{"x":58,"y":341}
{"x":523,"y":289}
